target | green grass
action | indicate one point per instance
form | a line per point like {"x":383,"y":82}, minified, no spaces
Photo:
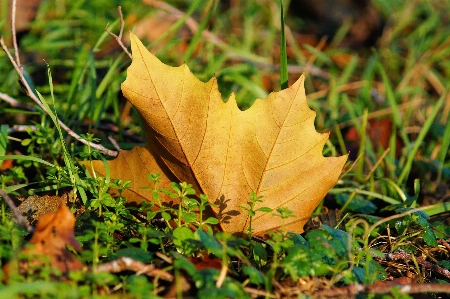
{"x":388,"y":200}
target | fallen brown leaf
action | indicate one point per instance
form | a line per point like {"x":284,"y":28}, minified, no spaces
{"x":54,"y":231}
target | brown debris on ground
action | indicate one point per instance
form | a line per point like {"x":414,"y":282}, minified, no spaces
{"x":33,"y":207}
{"x":48,"y":246}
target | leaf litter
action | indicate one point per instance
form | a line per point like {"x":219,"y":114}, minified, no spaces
{"x":48,"y":246}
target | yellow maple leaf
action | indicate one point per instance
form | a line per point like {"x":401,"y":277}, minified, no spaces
{"x":271,"y":149}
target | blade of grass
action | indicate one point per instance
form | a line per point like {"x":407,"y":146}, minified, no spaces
{"x":78,"y":72}
{"x":283,"y":55}
{"x":340,"y":138}
{"x":178,"y":23}
{"x":321,"y":57}
{"x":393,"y":103}
{"x":333,"y":99}
{"x":26,"y":158}
{"x":248,"y":84}
{"x":109,"y":76}
{"x":362,"y":144}
{"x":9,"y":189}
{"x":382,"y":197}
{"x":341,"y":33}
{"x":443,"y":150}
{"x":439,"y":208}
{"x":420,"y":138}
{"x":66,"y":155}
{"x":4,"y":132}
{"x":105,"y":35}
{"x":211,"y":8}
{"x":348,"y":71}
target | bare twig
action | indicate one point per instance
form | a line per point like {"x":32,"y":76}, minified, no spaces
{"x":114,"y":143}
{"x":21,"y":128}
{"x":164,"y":257}
{"x":403,"y":255}
{"x":16,"y":212}
{"x":222,"y":275}
{"x":446,"y":245}
{"x":128,"y":264}
{"x":119,"y":37}
{"x":33,"y":96}
{"x":15,"y":103}
{"x":14,"y":35}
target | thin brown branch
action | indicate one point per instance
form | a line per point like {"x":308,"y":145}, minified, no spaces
{"x":119,"y":37}
{"x":16,"y":212}
{"x":33,"y":96}
{"x":128,"y":264}
{"x":443,"y":242}
{"x":14,"y":35}
{"x":15,"y":103}
{"x":21,"y":128}
{"x":114,"y":143}
{"x":164,"y":257}
{"x":403,"y":255}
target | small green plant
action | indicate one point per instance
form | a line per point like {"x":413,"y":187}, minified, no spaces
{"x":185,"y":212}
{"x":283,"y":213}
{"x":252,"y":210}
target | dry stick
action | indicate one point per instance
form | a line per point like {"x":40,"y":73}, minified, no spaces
{"x":21,"y":128}
{"x":403,"y":255}
{"x":114,"y":143}
{"x":164,"y":257}
{"x":31,"y":94}
{"x":443,"y":242}
{"x":14,"y":35}
{"x":15,"y":103}
{"x":128,"y":264}
{"x":222,"y":276}
{"x":13,"y":208}
{"x":119,"y":37}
